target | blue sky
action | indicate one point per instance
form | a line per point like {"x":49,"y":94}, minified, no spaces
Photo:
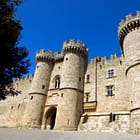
{"x":48,"y":23}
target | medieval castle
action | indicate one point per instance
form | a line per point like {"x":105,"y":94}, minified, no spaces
{"x":67,"y":93}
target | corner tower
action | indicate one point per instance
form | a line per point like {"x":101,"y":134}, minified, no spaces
{"x":38,"y":91}
{"x":129,"y":37}
{"x":72,"y":85}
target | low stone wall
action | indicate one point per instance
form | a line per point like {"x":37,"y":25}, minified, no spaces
{"x":105,"y":122}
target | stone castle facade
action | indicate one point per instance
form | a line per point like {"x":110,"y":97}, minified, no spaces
{"x":67,"y":93}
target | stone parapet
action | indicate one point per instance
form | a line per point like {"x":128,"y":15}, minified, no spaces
{"x":131,"y":23}
{"x":58,"y":56}
{"x":42,"y":56}
{"x":28,"y":77}
{"x":75,"y":47}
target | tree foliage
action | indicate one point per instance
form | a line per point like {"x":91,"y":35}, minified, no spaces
{"x":13,"y":59}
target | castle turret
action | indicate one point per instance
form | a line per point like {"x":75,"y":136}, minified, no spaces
{"x":72,"y":85}
{"x":38,"y":90}
{"x":129,"y":36}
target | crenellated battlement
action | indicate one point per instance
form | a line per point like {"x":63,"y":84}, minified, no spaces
{"x":68,"y":46}
{"x":113,"y":59}
{"x":58,"y":56}
{"x":28,"y":77}
{"x":126,"y":26}
{"x":75,"y":47}
{"x":42,"y":56}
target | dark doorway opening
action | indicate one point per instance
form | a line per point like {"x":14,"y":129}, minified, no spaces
{"x":50,"y":118}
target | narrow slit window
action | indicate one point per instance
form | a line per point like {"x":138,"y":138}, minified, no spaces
{"x":31,"y":97}
{"x":88,"y":78}
{"x":57,"y":83}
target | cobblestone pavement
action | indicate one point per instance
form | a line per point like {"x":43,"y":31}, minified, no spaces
{"x":34,"y":134}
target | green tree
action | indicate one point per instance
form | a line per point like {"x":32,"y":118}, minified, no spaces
{"x":13,"y":59}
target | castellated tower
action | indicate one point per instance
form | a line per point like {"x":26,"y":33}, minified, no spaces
{"x":38,"y":90}
{"x":129,"y":36}
{"x":72,"y":85}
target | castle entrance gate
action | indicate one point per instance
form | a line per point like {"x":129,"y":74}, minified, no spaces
{"x":50,"y":117}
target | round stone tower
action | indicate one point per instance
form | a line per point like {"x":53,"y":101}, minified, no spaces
{"x":38,"y":92}
{"x":72,"y":85}
{"x":129,"y":36}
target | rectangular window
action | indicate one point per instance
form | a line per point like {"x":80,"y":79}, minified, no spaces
{"x":88,"y":78}
{"x":110,"y":73}
{"x":109,"y":90}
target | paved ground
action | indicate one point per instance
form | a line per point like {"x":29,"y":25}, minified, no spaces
{"x":16,"y":134}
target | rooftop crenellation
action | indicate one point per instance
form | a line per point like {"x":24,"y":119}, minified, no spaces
{"x":28,"y":77}
{"x":128,"y":25}
{"x":58,"y":56}
{"x":73,"y":43}
{"x":73,"y":46}
{"x":128,"y":18}
{"x":43,"y":53}
{"x":114,"y":58}
{"x":43,"y":56}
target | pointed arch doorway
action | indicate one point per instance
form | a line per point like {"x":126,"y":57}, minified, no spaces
{"x":50,"y":117}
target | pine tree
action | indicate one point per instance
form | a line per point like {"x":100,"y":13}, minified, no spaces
{"x":13,"y":59}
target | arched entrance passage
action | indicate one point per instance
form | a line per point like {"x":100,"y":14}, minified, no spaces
{"x":50,"y":117}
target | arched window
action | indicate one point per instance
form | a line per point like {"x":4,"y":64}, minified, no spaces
{"x":57,"y":82}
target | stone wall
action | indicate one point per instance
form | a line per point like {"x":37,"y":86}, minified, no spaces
{"x":99,"y":81}
{"x":105,"y":122}
{"x":12,"y":109}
